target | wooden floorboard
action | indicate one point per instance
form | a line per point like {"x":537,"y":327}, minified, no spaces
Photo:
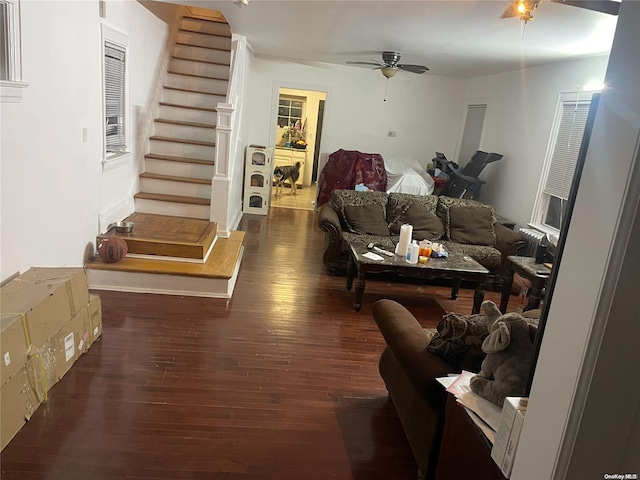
{"x":279,"y":383}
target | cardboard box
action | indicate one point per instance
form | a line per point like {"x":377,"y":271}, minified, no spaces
{"x":509,"y":409}
{"x":512,"y":445}
{"x":95,"y":303}
{"x":71,"y":341}
{"x":18,"y":401}
{"x":13,"y":346}
{"x":47,"y":298}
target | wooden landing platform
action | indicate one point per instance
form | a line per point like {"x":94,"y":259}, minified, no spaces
{"x":172,"y":238}
{"x":215,"y":278}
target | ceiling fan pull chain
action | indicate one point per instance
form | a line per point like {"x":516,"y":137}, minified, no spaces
{"x":385,"y":90}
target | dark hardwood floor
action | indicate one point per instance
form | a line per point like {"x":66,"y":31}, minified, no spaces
{"x":280,"y":382}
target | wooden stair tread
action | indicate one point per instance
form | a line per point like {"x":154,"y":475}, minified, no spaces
{"x":182,"y":44}
{"x":173,"y":178}
{"x":188,"y":90}
{"x":162,"y":197}
{"x":193,"y":75}
{"x":210,"y":62}
{"x":168,"y":236}
{"x":223,"y":35}
{"x":220,"y":264}
{"x":184,"y":124}
{"x":201,"y":19}
{"x":182,"y":140}
{"x":169,"y":158}
{"x":177,"y":105}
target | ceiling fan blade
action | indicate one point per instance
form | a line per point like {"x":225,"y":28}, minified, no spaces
{"x":604,"y":6}
{"x":365,"y":63}
{"x":413,"y":68}
{"x":511,"y":11}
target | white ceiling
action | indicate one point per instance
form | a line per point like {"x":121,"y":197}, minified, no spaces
{"x":452,"y":37}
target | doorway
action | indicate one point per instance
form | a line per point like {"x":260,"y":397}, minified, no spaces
{"x":472,"y":133}
{"x":297,"y":133}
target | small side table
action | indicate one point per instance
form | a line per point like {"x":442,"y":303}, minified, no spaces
{"x":465,"y":453}
{"x":526,"y":267}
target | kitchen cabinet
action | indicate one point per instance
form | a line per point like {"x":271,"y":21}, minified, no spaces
{"x":289,"y":156}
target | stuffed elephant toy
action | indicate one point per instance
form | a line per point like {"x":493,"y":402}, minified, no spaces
{"x":509,"y":349}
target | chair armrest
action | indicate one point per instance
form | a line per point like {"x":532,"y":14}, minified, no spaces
{"x":508,"y":241}
{"x":408,"y":342}
{"x":328,"y":220}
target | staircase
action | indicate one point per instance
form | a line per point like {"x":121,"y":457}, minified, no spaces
{"x":174,"y":248}
{"x":179,"y":166}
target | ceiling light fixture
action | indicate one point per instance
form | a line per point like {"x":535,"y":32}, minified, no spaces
{"x":389,"y":71}
{"x":525,"y":9}
{"x":241,"y":3}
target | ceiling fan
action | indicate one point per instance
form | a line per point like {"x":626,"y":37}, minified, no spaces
{"x":523,"y":9}
{"x":390,"y":66}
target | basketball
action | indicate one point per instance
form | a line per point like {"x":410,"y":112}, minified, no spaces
{"x":112,"y":249}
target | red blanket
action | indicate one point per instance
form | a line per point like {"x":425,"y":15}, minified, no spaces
{"x":347,"y":168}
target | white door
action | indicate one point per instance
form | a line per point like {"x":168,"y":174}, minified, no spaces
{"x":472,"y":132}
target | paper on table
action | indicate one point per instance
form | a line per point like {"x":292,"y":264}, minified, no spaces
{"x":372,"y":256}
{"x":461,"y":384}
{"x":487,"y":411}
{"x":446,"y":381}
{"x":490,"y":434}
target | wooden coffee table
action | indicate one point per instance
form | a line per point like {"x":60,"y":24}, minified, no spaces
{"x":456,"y":266}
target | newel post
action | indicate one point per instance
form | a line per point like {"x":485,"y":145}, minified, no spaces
{"x":220,"y":183}
{"x":224,"y":130}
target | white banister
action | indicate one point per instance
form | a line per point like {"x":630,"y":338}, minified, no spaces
{"x":227,"y":138}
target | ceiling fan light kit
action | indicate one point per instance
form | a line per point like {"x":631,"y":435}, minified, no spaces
{"x":390,"y":65}
{"x":389,"y":71}
{"x":523,"y":9}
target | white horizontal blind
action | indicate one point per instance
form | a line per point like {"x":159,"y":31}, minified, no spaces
{"x":114,"y":78}
{"x":567,"y":146}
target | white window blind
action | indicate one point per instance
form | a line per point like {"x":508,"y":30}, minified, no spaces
{"x":567,"y":146}
{"x":115,"y":102}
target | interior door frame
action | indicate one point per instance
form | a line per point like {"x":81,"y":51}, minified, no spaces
{"x":469,"y":102}
{"x":275,"y":96}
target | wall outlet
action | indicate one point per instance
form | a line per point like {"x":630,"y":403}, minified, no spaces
{"x":391,"y":133}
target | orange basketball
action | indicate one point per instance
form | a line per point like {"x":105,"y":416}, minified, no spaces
{"x":112,"y":249}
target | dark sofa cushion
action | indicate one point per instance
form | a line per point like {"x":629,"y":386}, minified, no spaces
{"x":472,"y":225}
{"x":459,"y":339}
{"x":426,"y":225}
{"x":341,"y":198}
{"x":367,"y":219}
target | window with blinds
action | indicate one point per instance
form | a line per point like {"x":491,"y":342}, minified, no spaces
{"x":567,"y":146}
{"x":114,"y":96}
{"x":561,"y":161}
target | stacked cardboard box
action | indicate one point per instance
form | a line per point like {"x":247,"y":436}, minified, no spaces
{"x":48,"y":319}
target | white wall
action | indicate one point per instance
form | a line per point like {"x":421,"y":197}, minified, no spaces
{"x":583,"y":419}
{"x":520,"y":110}
{"x":53,"y":187}
{"x":424,"y":110}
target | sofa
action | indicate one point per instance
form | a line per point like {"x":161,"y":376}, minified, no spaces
{"x":461,"y":225}
{"x":412,"y":360}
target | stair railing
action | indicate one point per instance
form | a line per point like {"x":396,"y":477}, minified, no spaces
{"x":227,"y":138}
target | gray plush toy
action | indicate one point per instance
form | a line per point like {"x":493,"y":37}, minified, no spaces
{"x":509,"y":349}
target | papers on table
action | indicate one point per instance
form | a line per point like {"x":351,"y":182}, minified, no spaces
{"x":372,"y":256}
{"x":484,"y":413}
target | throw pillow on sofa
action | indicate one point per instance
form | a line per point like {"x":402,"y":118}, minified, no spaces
{"x":472,"y":225}
{"x":459,"y":339}
{"x":367,"y":219}
{"x":341,"y":198}
{"x":426,"y":226}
